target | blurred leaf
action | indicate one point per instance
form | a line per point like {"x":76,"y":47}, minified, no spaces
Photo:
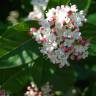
{"x":18,"y":32}
{"x":89,"y":33}
{"x":94,"y":90}
{"x":92,"y":19}
{"x":17,"y":81}
{"x":27,"y":52}
{"x":12,"y":38}
{"x":91,"y":90}
{"x":40,"y":74}
{"x":71,"y":92}
{"x":63,"y":79}
{"x":3,"y":27}
{"x":6,"y":45}
{"x":54,"y":3}
{"x":59,"y":78}
{"x":16,"y":47}
{"x":92,"y":49}
{"x":82,"y":5}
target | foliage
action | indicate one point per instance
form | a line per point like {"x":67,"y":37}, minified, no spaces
{"x":21,"y":61}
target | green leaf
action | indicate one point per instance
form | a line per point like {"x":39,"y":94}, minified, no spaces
{"x":92,"y":50}
{"x":18,"y":78}
{"x":92,"y":19}
{"x":17,"y":81}
{"x":27,"y":52}
{"x":89,"y":33}
{"x":6,"y":45}
{"x":56,"y":76}
{"x":40,"y":73}
{"x":15,"y":36}
{"x":54,"y":3}
{"x":82,"y":5}
{"x":91,"y":90}
{"x":3,"y":27}
{"x":16,"y":47}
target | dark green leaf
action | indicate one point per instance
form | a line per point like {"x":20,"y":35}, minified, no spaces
{"x":82,"y":5}
{"x":92,"y":19}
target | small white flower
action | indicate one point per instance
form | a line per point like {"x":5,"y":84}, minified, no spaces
{"x":44,"y":23}
{"x":34,"y":15}
{"x":74,"y":8}
{"x":85,"y":54}
{"x":67,"y":8}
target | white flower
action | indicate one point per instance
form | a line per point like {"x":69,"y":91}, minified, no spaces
{"x":44,"y":23}
{"x":33,"y":90}
{"x":68,"y":42}
{"x":40,"y":3}
{"x":66,"y":8}
{"x":60,"y":35}
{"x":34,"y":16}
{"x":59,"y":57}
{"x":74,"y":8}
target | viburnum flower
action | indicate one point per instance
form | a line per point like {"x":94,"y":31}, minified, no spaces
{"x":60,"y":36}
{"x":33,"y":90}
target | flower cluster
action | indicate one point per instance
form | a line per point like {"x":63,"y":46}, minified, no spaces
{"x":60,"y":34}
{"x":3,"y":92}
{"x":34,"y":91}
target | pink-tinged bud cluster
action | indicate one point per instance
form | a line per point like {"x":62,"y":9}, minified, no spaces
{"x":3,"y":93}
{"x":33,"y":90}
{"x":60,"y":35}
